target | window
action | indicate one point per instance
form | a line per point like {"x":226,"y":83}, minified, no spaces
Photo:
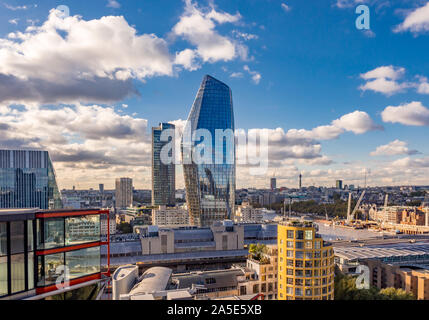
{"x":289,"y":244}
{"x":317,"y":244}
{"x":299,"y":245}
{"x":308,"y":234}
{"x":54,"y":233}
{"x":87,"y":261}
{"x":290,"y":253}
{"x":299,"y":254}
{"x":300,"y":234}
{"x":16,"y":237}
{"x":82,"y":229}
{"x":290,"y":234}
{"x":53,"y":266}
{"x":289,"y":281}
{"x":308,"y":245}
{"x":289,"y":290}
{"x":308,"y":292}
{"x":308,"y":264}
{"x":308,"y":273}
{"x":308,"y":255}
{"x":17,"y":273}
{"x":3,"y":239}
{"x":3,"y":276}
{"x":299,"y":273}
{"x":299,"y":263}
{"x":298,"y":291}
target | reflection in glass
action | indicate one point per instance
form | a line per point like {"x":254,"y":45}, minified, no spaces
{"x":17,"y":273}
{"x":17,"y":237}
{"x":3,"y":239}
{"x":83,"y":262}
{"x":3,"y":276}
{"x":30,"y":270}
{"x":53,"y":270}
{"x":30,"y":240}
{"x":54,"y":233}
{"x":82,"y":229}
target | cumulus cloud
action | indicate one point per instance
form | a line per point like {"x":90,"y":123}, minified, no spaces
{"x":256,"y":76}
{"x":423,"y":85}
{"x":396,"y":147}
{"x":68,"y":60}
{"x":198,"y":27}
{"x":411,"y":163}
{"x":411,"y":114}
{"x":416,"y":21}
{"x":384,"y":80}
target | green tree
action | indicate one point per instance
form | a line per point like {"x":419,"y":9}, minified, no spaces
{"x":395,"y":294}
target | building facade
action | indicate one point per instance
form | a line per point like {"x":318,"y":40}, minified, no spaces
{"x":44,"y":252}
{"x":210,"y":183}
{"x":306,"y":263}
{"x":163,"y":174}
{"x":27,"y":180}
{"x":124,"y":192}
{"x":167,"y":216}
{"x":246,"y":213}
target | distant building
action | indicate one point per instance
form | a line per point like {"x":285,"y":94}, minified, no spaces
{"x":246,"y":213}
{"x":273,"y":184}
{"x":27,"y":180}
{"x":168,"y":216}
{"x":210,"y":187}
{"x":339,"y":184}
{"x":101,"y":188}
{"x":300,"y":181}
{"x":305,"y":264}
{"x":163,"y":174}
{"x":124,"y":192}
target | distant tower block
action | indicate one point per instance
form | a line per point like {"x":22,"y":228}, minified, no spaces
{"x":273,"y":184}
{"x":300,"y":180}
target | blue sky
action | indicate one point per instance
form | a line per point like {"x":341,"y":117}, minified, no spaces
{"x":306,"y":58}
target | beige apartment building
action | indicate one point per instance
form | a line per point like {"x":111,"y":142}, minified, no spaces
{"x":246,"y":213}
{"x":170,"y":216}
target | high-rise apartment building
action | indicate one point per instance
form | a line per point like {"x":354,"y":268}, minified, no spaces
{"x":163,"y":174}
{"x":305,"y":263}
{"x":339,"y":184}
{"x":273,"y":184}
{"x":124,"y":192}
{"x":27,"y":180}
{"x":210,"y":184}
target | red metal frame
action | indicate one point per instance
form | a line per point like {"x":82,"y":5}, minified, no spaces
{"x":42,"y":215}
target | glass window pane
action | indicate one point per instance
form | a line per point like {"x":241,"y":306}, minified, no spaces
{"x":53,"y":264}
{"x":30,"y":240}
{"x":3,"y":239}
{"x":82,"y":229}
{"x":54,"y":233}
{"x":3,"y":276}
{"x":17,"y":273}
{"x":17,"y":237}
{"x":83,"y":262}
{"x":30,"y":270}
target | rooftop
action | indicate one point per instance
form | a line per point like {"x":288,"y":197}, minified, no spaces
{"x":153,"y":280}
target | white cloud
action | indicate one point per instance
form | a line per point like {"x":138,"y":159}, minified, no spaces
{"x":357,"y":122}
{"x":188,"y":59}
{"x":410,"y":163}
{"x":412,"y":114}
{"x":113,"y":4}
{"x":198,"y":27}
{"x":417,"y":21}
{"x":244,"y":35}
{"x":236,"y":75}
{"x":423,"y":86}
{"x":384,"y":80}
{"x":14,"y":21}
{"x":396,"y":147}
{"x":256,"y":76}
{"x":15,"y":8}
{"x":285,"y":7}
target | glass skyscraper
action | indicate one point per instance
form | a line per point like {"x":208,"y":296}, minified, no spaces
{"x":210,"y":185}
{"x":27,"y":180}
{"x":163,"y":174}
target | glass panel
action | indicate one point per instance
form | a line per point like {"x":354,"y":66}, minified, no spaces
{"x":17,"y":237}
{"x":30,"y":270}
{"x":17,"y":273}
{"x":53,"y":262}
{"x":83,"y":262}
{"x":82,"y":229}
{"x":3,"y":239}
{"x":30,"y":240}
{"x":3,"y":276}
{"x":54,"y":233}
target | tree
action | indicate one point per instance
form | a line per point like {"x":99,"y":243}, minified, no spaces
{"x":125,"y":227}
{"x":395,"y":294}
{"x":257,"y":251}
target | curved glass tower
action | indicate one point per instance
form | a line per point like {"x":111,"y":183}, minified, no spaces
{"x":209,"y":134}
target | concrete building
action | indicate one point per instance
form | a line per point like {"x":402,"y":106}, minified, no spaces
{"x":170,"y":216}
{"x":305,"y":263}
{"x":246,"y":213}
{"x":339,"y":184}
{"x":273,"y":184}
{"x":124,"y":193}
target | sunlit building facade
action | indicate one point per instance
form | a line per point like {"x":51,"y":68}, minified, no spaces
{"x":305,"y":263}
{"x":27,"y":180}
{"x":210,"y":183}
{"x":163,"y":174}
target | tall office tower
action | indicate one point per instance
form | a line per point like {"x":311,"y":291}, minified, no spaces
{"x":101,"y":188}
{"x":339,"y":184}
{"x":300,"y":181}
{"x":124,"y":192}
{"x":273,"y":184}
{"x":305,"y":263}
{"x":163,"y":174}
{"x":27,"y":180}
{"x":210,"y":184}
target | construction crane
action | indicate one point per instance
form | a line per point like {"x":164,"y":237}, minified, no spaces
{"x":351,"y":216}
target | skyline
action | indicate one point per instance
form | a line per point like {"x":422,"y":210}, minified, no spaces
{"x":335,"y":100}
